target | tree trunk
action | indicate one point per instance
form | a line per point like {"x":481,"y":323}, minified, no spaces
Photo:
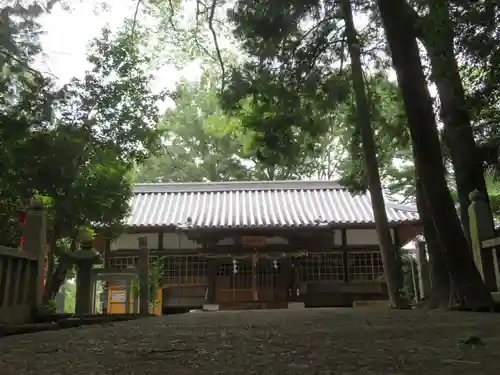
{"x":56,"y":276}
{"x":392,"y":269}
{"x":428,"y":157}
{"x":49,"y":270}
{"x":440,"y":277}
{"x":458,"y":133}
{"x":55,"y":281}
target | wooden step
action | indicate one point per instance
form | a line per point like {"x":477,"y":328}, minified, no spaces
{"x":371,"y":304}
{"x":253,"y":305}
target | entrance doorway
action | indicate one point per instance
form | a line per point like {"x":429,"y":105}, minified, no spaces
{"x":251,"y":278}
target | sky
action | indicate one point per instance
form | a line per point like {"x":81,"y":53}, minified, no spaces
{"x":68,"y":33}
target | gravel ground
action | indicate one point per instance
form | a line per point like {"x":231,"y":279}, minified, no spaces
{"x":304,"y":341}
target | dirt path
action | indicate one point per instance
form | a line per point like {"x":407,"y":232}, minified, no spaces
{"x":306,"y":342}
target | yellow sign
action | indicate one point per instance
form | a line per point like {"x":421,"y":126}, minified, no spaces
{"x":118,"y":297}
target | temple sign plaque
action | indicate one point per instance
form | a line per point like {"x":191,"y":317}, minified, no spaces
{"x":254,"y":241}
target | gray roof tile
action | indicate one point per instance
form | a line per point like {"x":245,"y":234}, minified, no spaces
{"x":263,"y":204}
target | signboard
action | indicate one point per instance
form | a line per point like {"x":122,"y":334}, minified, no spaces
{"x":254,"y":241}
{"x":118,"y":297}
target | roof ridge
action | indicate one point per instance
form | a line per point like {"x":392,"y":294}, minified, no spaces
{"x":186,"y":187}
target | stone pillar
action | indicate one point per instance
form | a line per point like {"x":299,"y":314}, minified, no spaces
{"x":85,"y":258}
{"x":482,"y":228}
{"x":83,"y":303}
{"x":35,"y":242}
{"x":143,"y":273}
{"x":423,"y":271}
{"x":60,"y":297}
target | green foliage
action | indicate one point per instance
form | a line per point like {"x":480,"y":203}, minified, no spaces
{"x":155,"y":280}
{"x":116,"y":96}
{"x":493,"y":188}
{"x":478,"y":43}
{"x":205,"y":144}
{"x":80,"y":143}
{"x":50,"y":307}
{"x":290,"y":83}
{"x":297,"y":91}
{"x":23,"y":106}
{"x":201,"y":143}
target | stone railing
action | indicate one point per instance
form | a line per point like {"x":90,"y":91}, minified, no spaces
{"x":21,"y":271}
{"x":485,"y":243}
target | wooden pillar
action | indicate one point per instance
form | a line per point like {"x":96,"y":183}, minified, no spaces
{"x":212,"y":276}
{"x":345,"y":260}
{"x":105,"y":294}
{"x":398,"y":254}
{"x":34,"y":241}
{"x":136,"y":304}
{"x":482,"y":228}
{"x":414,"y":280}
{"x":128,"y":287}
{"x":107,"y":251}
{"x":255,"y":291}
{"x":208,"y":245}
{"x":423,"y":271}
{"x":160,"y":241}
{"x":143,"y":271}
{"x":284,"y":276}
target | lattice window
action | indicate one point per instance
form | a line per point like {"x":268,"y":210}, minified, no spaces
{"x":268,"y":272}
{"x":365,"y":266}
{"x":323,"y":267}
{"x":225,"y":269}
{"x":242,"y":279}
{"x":185,"y":270}
{"x":122,"y":262}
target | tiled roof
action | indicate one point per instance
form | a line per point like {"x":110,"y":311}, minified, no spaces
{"x":267,"y":204}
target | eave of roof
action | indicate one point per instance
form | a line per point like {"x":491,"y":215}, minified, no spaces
{"x":259,"y":204}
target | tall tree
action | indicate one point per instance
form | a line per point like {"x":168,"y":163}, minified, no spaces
{"x":428,"y":157}
{"x":105,"y":124}
{"x":80,"y":142}
{"x":24,"y":104}
{"x":392,"y":268}
{"x":283,"y":78}
{"x":202,"y":143}
{"x":458,"y":132}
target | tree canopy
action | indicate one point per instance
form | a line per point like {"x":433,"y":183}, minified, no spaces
{"x":289,"y":90}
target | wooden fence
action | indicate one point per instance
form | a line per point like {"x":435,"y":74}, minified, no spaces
{"x":21,"y":271}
